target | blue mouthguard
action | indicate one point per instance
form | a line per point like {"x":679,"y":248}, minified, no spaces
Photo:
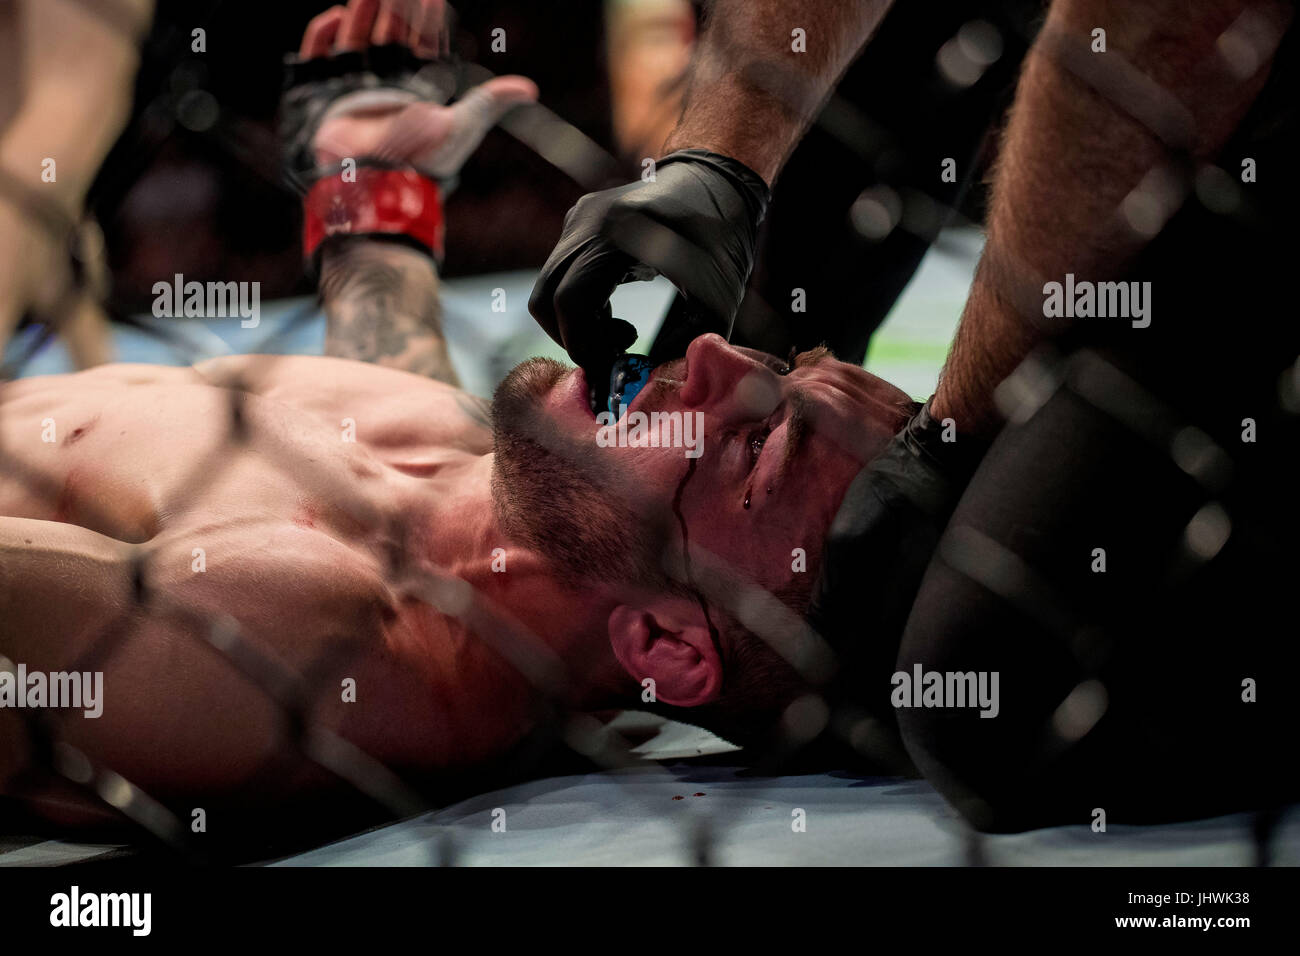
{"x":629,"y":375}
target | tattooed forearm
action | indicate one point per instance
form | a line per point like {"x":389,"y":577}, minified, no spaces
{"x":381,"y":304}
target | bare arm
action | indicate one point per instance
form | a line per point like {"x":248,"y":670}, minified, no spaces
{"x":381,"y":304}
{"x":381,"y":299}
{"x":751,"y":95}
{"x":1071,"y":156}
{"x":59,"y":585}
{"x":66,"y":75}
{"x":176,"y":716}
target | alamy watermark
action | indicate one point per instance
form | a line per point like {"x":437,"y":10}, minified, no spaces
{"x":74,"y":908}
{"x":21,"y":689}
{"x":197,"y":300}
{"x":683,"y":430}
{"x":1100,"y":300}
{"x":946,"y":689}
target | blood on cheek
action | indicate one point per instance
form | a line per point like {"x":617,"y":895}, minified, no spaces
{"x":678,"y":497}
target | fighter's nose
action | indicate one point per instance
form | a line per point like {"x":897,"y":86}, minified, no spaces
{"x":727,"y":383}
{"x":707,"y":370}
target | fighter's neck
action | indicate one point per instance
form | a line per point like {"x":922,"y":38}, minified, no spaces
{"x":511,"y":585}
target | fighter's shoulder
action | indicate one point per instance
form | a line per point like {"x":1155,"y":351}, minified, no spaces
{"x":389,"y":407}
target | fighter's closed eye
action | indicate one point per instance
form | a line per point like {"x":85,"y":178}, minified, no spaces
{"x":778,"y":366}
{"x":758,"y":437}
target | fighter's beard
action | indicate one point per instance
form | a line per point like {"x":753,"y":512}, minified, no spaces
{"x":557,"y":495}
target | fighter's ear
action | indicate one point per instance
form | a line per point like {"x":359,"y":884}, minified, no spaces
{"x":671,"y":644}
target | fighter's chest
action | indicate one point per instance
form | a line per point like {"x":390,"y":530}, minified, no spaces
{"x":195,"y":458}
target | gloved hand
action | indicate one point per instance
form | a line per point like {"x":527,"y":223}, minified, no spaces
{"x":879,"y":545}
{"x":696,"y":224}
{"x":370,"y":87}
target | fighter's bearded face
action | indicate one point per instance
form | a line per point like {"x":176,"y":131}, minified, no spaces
{"x":778,"y":449}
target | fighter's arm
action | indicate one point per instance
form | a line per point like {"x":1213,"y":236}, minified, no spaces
{"x":57,"y":578}
{"x":66,"y":73}
{"x":381,"y":305}
{"x":38,"y":559}
{"x":752,"y":92}
{"x":1077,"y":152}
{"x":381,"y":298}
{"x":177,"y":715}
{"x":1069,"y":158}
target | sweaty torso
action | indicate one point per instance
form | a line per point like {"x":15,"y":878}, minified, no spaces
{"x":279,"y":499}
{"x":127,"y":450}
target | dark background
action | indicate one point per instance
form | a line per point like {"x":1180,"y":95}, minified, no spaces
{"x":193,"y":186}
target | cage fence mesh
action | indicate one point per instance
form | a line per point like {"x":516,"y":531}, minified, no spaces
{"x":990,"y":564}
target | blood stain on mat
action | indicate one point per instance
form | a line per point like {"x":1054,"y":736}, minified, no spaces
{"x":679,"y":798}
{"x":700,"y":794}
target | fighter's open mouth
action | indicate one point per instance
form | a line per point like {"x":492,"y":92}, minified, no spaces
{"x":582,"y":388}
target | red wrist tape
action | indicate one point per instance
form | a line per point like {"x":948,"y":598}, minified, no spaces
{"x":391,"y":202}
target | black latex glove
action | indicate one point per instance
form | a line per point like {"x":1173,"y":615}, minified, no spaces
{"x":879,"y":546}
{"x":696,"y":224}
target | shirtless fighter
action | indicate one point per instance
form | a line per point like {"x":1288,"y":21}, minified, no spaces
{"x":346,"y":525}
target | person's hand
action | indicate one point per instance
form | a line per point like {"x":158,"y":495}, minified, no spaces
{"x":696,"y":223}
{"x":396,"y":123}
{"x":365,"y":126}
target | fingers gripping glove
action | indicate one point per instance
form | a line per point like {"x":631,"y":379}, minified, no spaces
{"x":878,"y":548}
{"x":386,"y":200}
{"x":696,"y":224}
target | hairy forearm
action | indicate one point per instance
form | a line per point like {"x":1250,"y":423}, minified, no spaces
{"x":66,"y":91}
{"x":751,"y":95}
{"x":381,"y":305}
{"x":66,"y":72}
{"x":1078,"y":182}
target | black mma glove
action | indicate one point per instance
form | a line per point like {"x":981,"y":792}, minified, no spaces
{"x":388,"y":74}
{"x":696,"y":224}
{"x":379,"y":198}
{"x":393,"y":187}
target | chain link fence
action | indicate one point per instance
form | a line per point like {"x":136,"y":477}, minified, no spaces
{"x":1085,"y":373}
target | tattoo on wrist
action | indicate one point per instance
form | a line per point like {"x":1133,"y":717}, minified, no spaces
{"x":382,"y":306}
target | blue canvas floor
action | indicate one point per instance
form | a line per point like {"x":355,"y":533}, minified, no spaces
{"x":634,"y":819}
